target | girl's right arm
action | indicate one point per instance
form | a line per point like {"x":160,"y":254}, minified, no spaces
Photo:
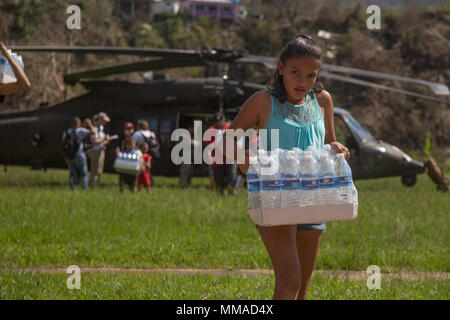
{"x":22,"y":82}
{"x":252,"y":114}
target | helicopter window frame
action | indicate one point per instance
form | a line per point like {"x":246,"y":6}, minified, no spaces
{"x":357,"y":129}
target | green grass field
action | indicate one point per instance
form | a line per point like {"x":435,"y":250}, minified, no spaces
{"x":44,"y":224}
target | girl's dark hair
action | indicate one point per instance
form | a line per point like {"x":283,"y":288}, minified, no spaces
{"x":301,"y":46}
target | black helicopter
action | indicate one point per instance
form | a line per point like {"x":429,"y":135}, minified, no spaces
{"x":34,"y":137}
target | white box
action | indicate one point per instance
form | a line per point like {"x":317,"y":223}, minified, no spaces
{"x":124,"y":164}
{"x":305,"y":215}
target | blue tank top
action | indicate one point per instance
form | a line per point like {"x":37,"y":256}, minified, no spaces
{"x":299,"y":126}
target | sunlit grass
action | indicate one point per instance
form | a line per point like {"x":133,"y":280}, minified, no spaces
{"x":44,"y":224}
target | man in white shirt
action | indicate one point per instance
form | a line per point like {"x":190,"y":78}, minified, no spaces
{"x":143,"y":133}
{"x":77,"y":160}
{"x":96,"y":154}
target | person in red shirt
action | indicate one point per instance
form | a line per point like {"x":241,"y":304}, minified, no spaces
{"x":144,"y":175}
{"x":224,"y":174}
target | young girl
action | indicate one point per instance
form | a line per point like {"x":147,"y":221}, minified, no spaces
{"x":144,"y":174}
{"x":304,"y":117}
{"x":126,"y":179}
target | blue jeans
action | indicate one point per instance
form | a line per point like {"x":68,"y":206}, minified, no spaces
{"x":78,"y":170}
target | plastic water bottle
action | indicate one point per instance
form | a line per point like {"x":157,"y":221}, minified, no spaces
{"x":3,"y":62}
{"x":261,"y":153}
{"x":327,"y":149}
{"x":327,"y":180}
{"x":6,"y":72}
{"x":344,"y":180}
{"x":309,"y":181}
{"x":290,"y":182}
{"x":331,"y":152}
{"x":253,"y":184}
{"x":314,"y":152}
{"x":281,"y":153}
{"x":270,"y":183}
{"x":277,"y":155}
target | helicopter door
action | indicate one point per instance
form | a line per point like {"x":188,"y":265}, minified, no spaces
{"x":346,"y":137}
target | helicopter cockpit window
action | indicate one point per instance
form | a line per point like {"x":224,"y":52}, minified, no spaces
{"x":361,"y":133}
{"x":344,"y":135}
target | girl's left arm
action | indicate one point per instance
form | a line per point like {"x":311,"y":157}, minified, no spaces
{"x":326,"y":102}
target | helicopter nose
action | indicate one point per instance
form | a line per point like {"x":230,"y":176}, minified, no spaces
{"x":412,"y":166}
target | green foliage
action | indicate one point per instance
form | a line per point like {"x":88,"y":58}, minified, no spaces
{"x":427,"y":148}
{"x":44,"y":224}
{"x":148,"y":36}
{"x":28,"y":13}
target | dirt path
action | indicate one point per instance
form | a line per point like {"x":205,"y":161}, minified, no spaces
{"x":340,"y":274}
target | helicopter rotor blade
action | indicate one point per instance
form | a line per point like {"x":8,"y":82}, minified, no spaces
{"x":157,"y":64}
{"x":229,"y":56}
{"x":266,"y":61}
{"x":437,"y":88}
{"x":271,"y":63}
{"x":376,"y":85}
{"x":164,"y":53}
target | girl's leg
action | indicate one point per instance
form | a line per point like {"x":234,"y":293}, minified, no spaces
{"x":280,"y":242}
{"x":307,"y":247}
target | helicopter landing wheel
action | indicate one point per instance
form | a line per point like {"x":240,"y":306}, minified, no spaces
{"x":409,"y":181}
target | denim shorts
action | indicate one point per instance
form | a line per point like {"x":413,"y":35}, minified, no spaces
{"x":312,"y":226}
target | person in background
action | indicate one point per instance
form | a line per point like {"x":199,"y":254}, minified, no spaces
{"x":126,"y":179}
{"x":144,"y":175}
{"x":128,"y":129}
{"x":22,"y":82}
{"x":212,"y":181}
{"x":224,"y":174}
{"x":75,"y":158}
{"x":187,"y":169}
{"x":87,"y":144}
{"x":144,"y":134}
{"x":96,"y":153}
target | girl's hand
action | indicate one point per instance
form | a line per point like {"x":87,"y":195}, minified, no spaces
{"x":340,"y":148}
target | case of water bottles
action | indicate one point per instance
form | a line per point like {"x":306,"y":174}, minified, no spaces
{"x":127,"y":163}
{"x":287,"y":187}
{"x":6,"y":72}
